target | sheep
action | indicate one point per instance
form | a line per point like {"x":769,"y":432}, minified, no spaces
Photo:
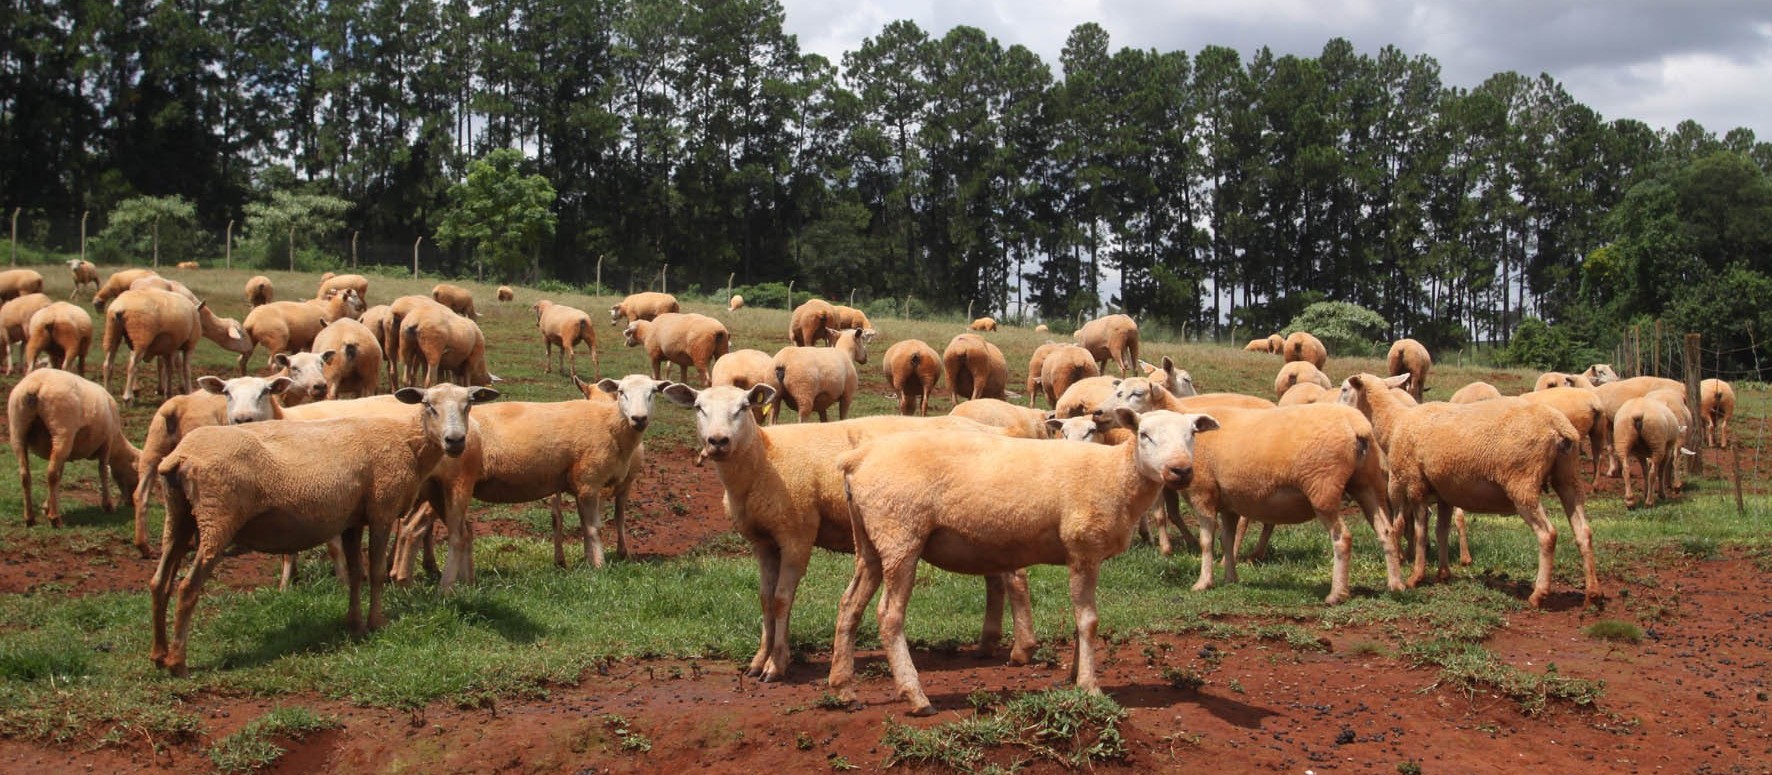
{"x":1492,"y":457}
{"x":1258,"y":346}
{"x":1474,"y":392}
{"x":164,"y":284}
{"x":1647,"y":430}
{"x":642,"y":306}
{"x":18,"y":282}
{"x":1113,"y":337}
{"x":355,"y":366}
{"x":1716,"y":405}
{"x":1177,"y":381}
{"x":390,"y":331}
{"x":444,"y":341}
{"x":337,"y":283}
{"x":974,"y":367}
{"x":1557,"y":379}
{"x":565,"y":327}
{"x":810,"y":322}
{"x":458,"y":299}
{"x":84,"y":274}
{"x":1142,"y":395}
{"x":983,"y":324}
{"x":189,"y":265}
{"x":1035,"y":362}
{"x":154,"y":324}
{"x":784,"y":494}
{"x":116,"y":284}
{"x":235,"y":401}
{"x":505,"y":293}
{"x":850,"y":317}
{"x":60,"y":329}
{"x":1408,"y":356}
{"x":259,"y":291}
{"x":1301,"y":346}
{"x":735,"y":303}
{"x":1296,"y":372}
{"x":255,"y":486}
{"x":1085,"y":430}
{"x":1613,"y":395}
{"x":1017,"y":421}
{"x":1600,"y":374}
{"x":1063,"y":367}
{"x":744,"y":369}
{"x":1041,"y":329}
{"x":1082,"y":398}
{"x":306,"y":373}
{"x":913,"y":369}
{"x":1305,"y":393}
{"x":1023,"y":502}
{"x":813,"y":378}
{"x":61,"y":416}
{"x":1584,"y":411}
{"x":685,"y":339}
{"x":281,"y":327}
{"x":15,"y":322}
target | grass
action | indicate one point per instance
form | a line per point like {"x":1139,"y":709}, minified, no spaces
{"x":1067,"y":726}
{"x":1614,"y":630}
{"x":255,"y":746}
{"x":74,"y":668}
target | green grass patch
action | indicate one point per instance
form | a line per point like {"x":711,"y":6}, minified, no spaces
{"x":1472,"y":668}
{"x":1614,"y":630}
{"x":1070,"y":727}
{"x":255,"y":746}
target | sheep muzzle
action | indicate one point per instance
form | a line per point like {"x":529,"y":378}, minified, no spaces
{"x":1178,"y":477}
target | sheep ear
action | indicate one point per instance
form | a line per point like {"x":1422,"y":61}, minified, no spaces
{"x":605,"y":384}
{"x":280,"y":359}
{"x":409,"y":395}
{"x":761,"y":394}
{"x":1204,"y":422}
{"x":1146,"y":367}
{"x":1398,"y":381}
{"x":680,"y":394}
{"x":1053,"y":425}
{"x":1126,"y":418}
{"x":1169,"y":364}
{"x":1116,"y":383}
{"x":278,"y":385}
{"x":1049,"y":416}
{"x":481,"y":395}
{"x":212,"y":384}
{"x":328,"y":356}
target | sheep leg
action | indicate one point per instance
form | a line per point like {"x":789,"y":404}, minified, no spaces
{"x":590,"y":522}
{"x":290,"y":573}
{"x":1442,"y":541}
{"x":209,"y":555}
{"x":547,"y":358}
{"x":379,"y":532}
{"x":900,"y":575}
{"x":1464,"y":539}
{"x":1083,"y":577}
{"x":1533,"y":512}
{"x":144,"y":490}
{"x":340,"y":563}
{"x":1627,"y":491}
{"x":104,"y":481}
{"x":793,"y":568}
{"x":1570,"y":493}
{"x":406,"y":545}
{"x":23,"y":451}
{"x":458,"y":566}
{"x":863,"y":583}
{"x":1723,"y":432}
{"x":1232,"y":525}
{"x":353,"y":546}
{"x":129,"y":377}
{"x":925,"y":402}
{"x":175,"y":542}
{"x":1021,"y":610}
{"x":842,"y":408}
{"x":1208,"y":528}
{"x":59,"y":450}
{"x":992,"y":632}
{"x":621,"y":526}
{"x":559,"y":531}
{"x":1341,"y":545}
{"x":768,"y":571}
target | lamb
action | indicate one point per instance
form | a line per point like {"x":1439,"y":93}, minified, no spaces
{"x":1491,"y":457}
{"x":1019,"y":503}
{"x":735,"y":303}
{"x":155,"y":324}
{"x":116,"y":284}
{"x":1035,"y":362}
{"x":18,"y":282}
{"x":1716,"y":405}
{"x":1063,"y":367}
{"x":1557,"y":379}
{"x":1647,"y":430}
{"x":685,"y":339}
{"x":1297,"y":372}
{"x":744,"y":369}
{"x":259,"y":291}
{"x":1474,"y":392}
{"x":61,"y":416}
{"x":1408,"y":356}
{"x":237,"y":401}
{"x":642,"y":306}
{"x":354,"y":365}
{"x":189,"y":265}
{"x":60,"y":329}
{"x":565,"y":327}
{"x":338,"y":283}
{"x":1301,"y":346}
{"x":850,"y":317}
{"x":458,"y":299}
{"x":983,"y":324}
{"x":444,"y":341}
{"x":913,"y":369}
{"x":1113,"y":337}
{"x":15,"y":322}
{"x":784,"y":494}
{"x":390,"y":331}
{"x":239,"y":485}
{"x":505,"y":293}
{"x":975,"y":367}
{"x":813,"y":378}
{"x":1017,"y":421}
{"x":84,"y":274}
{"x":810,"y":322}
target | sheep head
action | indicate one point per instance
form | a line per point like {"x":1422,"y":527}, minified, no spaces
{"x":445,"y":414}
{"x":635,"y":333}
{"x":633,"y":395}
{"x":306,"y":373}
{"x":723,"y":418}
{"x":1081,"y":429}
{"x":250,"y":399}
{"x":1163,"y":443}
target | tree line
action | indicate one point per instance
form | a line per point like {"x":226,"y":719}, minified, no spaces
{"x":1210,"y":189}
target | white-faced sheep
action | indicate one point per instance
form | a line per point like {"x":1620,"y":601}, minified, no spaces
{"x":62,"y":331}
{"x":983,"y":324}
{"x":281,"y":327}
{"x":84,"y":274}
{"x":60,"y":416}
{"x":1716,"y":405}
{"x":116,"y":284}
{"x":1646,"y":430}
{"x":1022,"y":503}
{"x":153,"y":324}
{"x":458,"y":299}
{"x":1174,"y":379}
{"x":784,"y":494}
{"x":810,"y":322}
{"x":15,"y":322}
{"x":975,"y":368}
{"x":1110,"y":338}
{"x":642,"y":306}
{"x":913,"y":369}
{"x":254,"y":486}
{"x":1600,"y":374}
{"x":1408,"y":356}
{"x":18,"y":282}
{"x":1063,"y":367}
{"x":814,"y":378}
{"x":1474,"y":392}
{"x":1142,"y":395}
{"x":444,"y":342}
{"x":744,"y":369}
{"x":306,"y":373}
{"x":1301,"y":346}
{"x":1299,"y":372}
{"x":355,"y":365}
{"x":565,"y":327}
{"x":685,"y":339}
{"x":1017,"y":421}
{"x":505,"y":293}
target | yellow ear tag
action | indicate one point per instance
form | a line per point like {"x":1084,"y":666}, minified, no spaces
{"x":768,"y":409}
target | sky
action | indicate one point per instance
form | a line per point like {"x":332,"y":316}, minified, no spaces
{"x":1658,"y":62}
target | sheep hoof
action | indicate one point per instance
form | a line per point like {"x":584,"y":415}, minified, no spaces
{"x":179,"y":670}
{"x":1335,"y":598}
{"x":1537,"y":599}
{"x":1202,"y":586}
{"x":923,"y":711}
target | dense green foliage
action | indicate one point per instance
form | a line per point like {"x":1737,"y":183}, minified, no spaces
{"x":1346,"y":329}
{"x":502,"y":213}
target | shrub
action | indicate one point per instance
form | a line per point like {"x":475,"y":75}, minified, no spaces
{"x":1537,"y":345}
{"x":1346,"y":329}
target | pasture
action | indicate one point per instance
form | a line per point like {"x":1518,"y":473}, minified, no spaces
{"x":638,"y":665}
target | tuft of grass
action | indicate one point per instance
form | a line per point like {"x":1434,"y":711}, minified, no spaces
{"x":1615,"y":630}
{"x":1068,"y":726}
{"x":1471,"y":667}
{"x":1184,"y":678}
{"x":630,"y":739}
{"x":254,"y":747}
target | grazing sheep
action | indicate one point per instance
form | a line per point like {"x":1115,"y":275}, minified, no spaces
{"x":1301,"y":346}
{"x":1613,"y":395}
{"x":281,"y":327}
{"x":1557,"y":379}
{"x":458,"y":299}
{"x":913,"y":369}
{"x":337,"y":283}
{"x":84,"y":274}
{"x":1490,"y":457}
{"x":810,"y":322}
{"x":1258,"y":346}
{"x":259,"y":291}
{"x":64,"y":332}
{"x":18,"y":282}
{"x":1474,"y":392}
{"x":1717,"y":405}
{"x":784,"y":494}
{"x":642,"y":306}
{"x":850,"y":317}
{"x":1648,"y":431}
{"x":237,"y":401}
{"x":1142,"y":395}
{"x":1297,"y":372}
{"x":226,"y":332}
{"x":683,"y":338}
{"x":153,"y":324}
{"x":254,"y":486}
{"x":15,"y":322}
{"x":505,"y":293}
{"x":1082,"y":398}
{"x":444,"y":342}
{"x":1035,"y":362}
{"x":1600,"y":374}
{"x":1408,"y":356}
{"x":744,"y":369}
{"x":735,"y":303}
{"x":61,"y":416}
{"x":116,"y":284}
{"x":565,"y":327}
{"x":813,"y":378}
{"x":390,"y":331}
{"x":1063,"y":367}
{"x":1041,"y":329}
{"x":355,"y":364}
{"x":1019,"y":503}
{"x":1018,"y":421}
{"x":189,"y":265}
{"x":1110,"y":338}
{"x":983,"y":324}
{"x":164,"y":284}
{"x":975,"y":368}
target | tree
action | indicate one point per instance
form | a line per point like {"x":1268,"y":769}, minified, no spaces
{"x":500,"y":212}
{"x":290,"y":217}
{"x":138,"y":224}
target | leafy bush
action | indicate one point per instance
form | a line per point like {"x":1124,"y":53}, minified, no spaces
{"x":1263,"y":319}
{"x":766,"y":295}
{"x":1538,"y":345}
{"x":133,"y":227}
{"x":1346,"y":329}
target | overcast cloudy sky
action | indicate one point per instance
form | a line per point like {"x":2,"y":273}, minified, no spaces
{"x":1659,"y":62}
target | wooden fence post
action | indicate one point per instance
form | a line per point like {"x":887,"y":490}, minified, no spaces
{"x":1694,"y":434}
{"x":228,"y":245}
{"x":415,"y":256}
{"x":157,"y":242}
{"x":1656,"y":360}
{"x":599,"y":273}
{"x":83,"y":215}
{"x":15,"y":212}
{"x":790,"y":295}
{"x":354,"y":236}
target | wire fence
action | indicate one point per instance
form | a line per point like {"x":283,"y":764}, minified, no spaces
{"x":1659,"y":350}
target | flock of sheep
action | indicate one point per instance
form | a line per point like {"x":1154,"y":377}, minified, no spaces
{"x":983,"y":491}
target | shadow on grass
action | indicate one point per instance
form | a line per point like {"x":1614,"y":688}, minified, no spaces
{"x":306,"y":632}
{"x":91,"y":515}
{"x":511,"y":624}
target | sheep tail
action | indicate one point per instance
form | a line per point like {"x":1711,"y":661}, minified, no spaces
{"x":1298,"y":349}
{"x":1362,"y":445}
{"x":351,"y":351}
{"x":916,"y":358}
{"x":720,"y":342}
{"x":781,"y":375}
